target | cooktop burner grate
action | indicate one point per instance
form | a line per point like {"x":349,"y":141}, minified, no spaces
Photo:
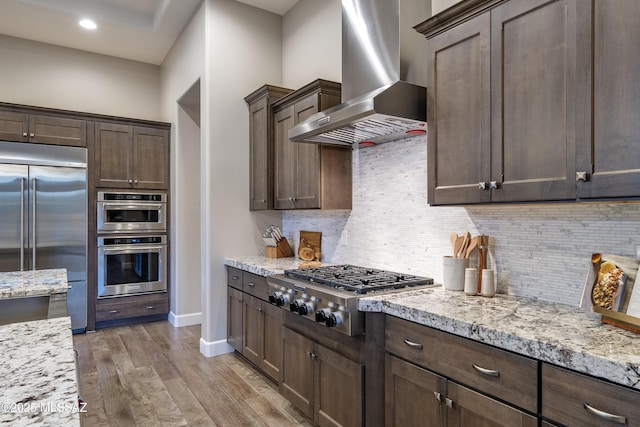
{"x":357,"y":279}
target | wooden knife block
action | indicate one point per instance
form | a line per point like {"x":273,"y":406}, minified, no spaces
{"x":283,"y":250}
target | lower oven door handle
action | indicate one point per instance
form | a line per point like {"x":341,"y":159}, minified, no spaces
{"x":132,"y":249}
{"x":131,"y":207}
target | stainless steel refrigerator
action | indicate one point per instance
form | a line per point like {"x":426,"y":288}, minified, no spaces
{"x":43,"y":215}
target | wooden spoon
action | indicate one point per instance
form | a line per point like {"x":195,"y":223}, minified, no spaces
{"x":458,"y":246}
{"x":472,"y":245}
{"x":465,"y":245}
{"x":453,"y":239}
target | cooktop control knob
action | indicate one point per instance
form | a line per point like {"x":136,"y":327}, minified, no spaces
{"x":280,"y":298}
{"x":305,"y":308}
{"x":272,"y":298}
{"x":333,"y":319}
{"x":321,"y":315}
{"x":296,"y":304}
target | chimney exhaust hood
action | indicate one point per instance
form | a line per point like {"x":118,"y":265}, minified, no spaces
{"x":383,"y":75}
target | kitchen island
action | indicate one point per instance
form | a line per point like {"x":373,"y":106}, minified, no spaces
{"x":33,"y":283}
{"x":559,"y":334}
{"x":39,"y":382}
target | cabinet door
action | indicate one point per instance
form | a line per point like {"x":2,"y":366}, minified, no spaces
{"x":14,"y":126}
{"x":259,"y":171}
{"x":413,"y":395}
{"x":296,"y":382}
{"x":58,"y":131}
{"x":338,"y":394}
{"x":458,"y":113}
{"x":253,"y":329}
{"x":113,"y":157}
{"x":470,"y":408}
{"x":150,"y":158}
{"x":533,"y":108}
{"x":284,"y":160}
{"x":272,"y":351}
{"x":612,"y":153}
{"x":234,"y":318}
{"x":306,"y":158}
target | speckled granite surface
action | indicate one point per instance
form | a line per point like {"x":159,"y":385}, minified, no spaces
{"x":38,"y":380}
{"x":33,"y":283}
{"x":559,"y":334}
{"x":264,"y":266}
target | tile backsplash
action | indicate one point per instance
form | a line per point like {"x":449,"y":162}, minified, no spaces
{"x":538,"y":250}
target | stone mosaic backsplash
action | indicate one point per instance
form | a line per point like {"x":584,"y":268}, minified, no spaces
{"x":538,"y":250}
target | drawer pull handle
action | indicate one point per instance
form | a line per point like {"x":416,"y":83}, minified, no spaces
{"x":449,"y":403}
{"x":151,"y":307}
{"x":438,"y":396}
{"x":413,"y":344}
{"x":251,"y":284}
{"x":234,"y":277}
{"x":607,"y":416}
{"x":485,"y":371}
{"x":114,"y":311}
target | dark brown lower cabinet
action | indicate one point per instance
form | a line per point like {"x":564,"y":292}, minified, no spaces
{"x":323,"y":384}
{"x":262,"y":335}
{"x":234,"y":318}
{"x":418,"y":397}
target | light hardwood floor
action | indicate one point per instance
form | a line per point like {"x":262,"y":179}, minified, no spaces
{"x":153,"y":374}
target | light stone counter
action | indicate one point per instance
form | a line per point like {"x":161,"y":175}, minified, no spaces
{"x":38,"y":381}
{"x":559,"y":334}
{"x":33,"y":283}
{"x":263,"y":266}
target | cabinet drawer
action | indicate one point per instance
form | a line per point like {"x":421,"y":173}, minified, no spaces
{"x":565,"y":393}
{"x":124,"y":309}
{"x":499,"y":373}
{"x":255,"y":285}
{"x":234,"y":277}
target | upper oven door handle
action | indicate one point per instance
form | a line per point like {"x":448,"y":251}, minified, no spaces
{"x":131,"y":249}
{"x":131,"y":206}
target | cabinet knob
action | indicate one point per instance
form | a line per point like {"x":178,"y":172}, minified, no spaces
{"x":493,"y":185}
{"x":31,"y":135}
{"x":482,"y":185}
{"x":24,"y":134}
{"x":135,"y":181}
{"x":130,"y":181}
{"x":449,"y":403}
{"x":438,"y":396}
{"x":582,"y":176}
{"x":251,"y":284}
{"x":260,"y":310}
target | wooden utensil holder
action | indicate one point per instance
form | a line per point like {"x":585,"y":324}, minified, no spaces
{"x":283,"y":250}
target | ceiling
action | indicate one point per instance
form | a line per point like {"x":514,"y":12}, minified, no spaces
{"x":140,"y":30}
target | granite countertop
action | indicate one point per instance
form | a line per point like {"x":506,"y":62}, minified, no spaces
{"x":563,"y":335}
{"x":38,"y":382}
{"x":263,"y":266}
{"x":33,"y":283}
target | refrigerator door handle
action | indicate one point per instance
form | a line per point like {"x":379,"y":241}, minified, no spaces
{"x":22,"y":224}
{"x":33,"y":228}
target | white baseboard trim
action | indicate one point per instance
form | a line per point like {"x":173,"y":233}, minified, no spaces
{"x":215,"y":348}
{"x":179,"y":320}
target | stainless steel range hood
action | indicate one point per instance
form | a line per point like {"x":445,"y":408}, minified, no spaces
{"x":383,"y":77}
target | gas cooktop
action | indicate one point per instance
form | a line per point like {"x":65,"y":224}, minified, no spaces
{"x":360,"y":280}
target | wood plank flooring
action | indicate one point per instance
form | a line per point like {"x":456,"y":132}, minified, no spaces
{"x":153,"y":374}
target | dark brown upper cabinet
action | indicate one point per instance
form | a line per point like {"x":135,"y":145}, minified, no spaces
{"x":501,"y":105}
{"x":609,"y":149}
{"x":533,"y":101}
{"x":309,"y":175}
{"x":24,"y":127}
{"x":261,"y":145}
{"x":131,"y":156}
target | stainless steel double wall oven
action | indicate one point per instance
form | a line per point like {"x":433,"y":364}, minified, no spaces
{"x":132,"y":245}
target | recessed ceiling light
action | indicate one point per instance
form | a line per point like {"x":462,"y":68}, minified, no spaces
{"x":88,"y":24}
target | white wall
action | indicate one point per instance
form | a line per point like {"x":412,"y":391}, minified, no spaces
{"x":438,"y":6}
{"x":243,"y":52}
{"x":181,"y":72}
{"x":312,"y":43}
{"x":45,"y":75}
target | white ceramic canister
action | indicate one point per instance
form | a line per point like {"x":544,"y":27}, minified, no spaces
{"x":453,"y":273}
{"x":471,"y":281}
{"x":488,"y":283}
